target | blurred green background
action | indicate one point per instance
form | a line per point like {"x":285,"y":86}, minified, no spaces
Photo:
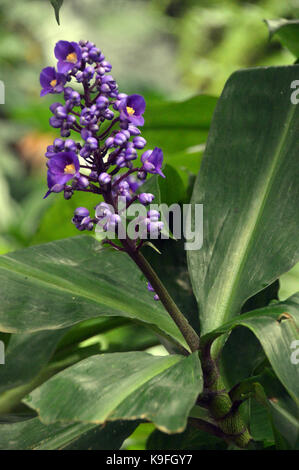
{"x":168,"y":50}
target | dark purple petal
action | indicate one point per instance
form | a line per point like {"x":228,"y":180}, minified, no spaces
{"x":51,"y":81}
{"x":137,"y":120}
{"x":136,"y":102}
{"x":152,"y":161}
{"x":132,"y":108}
{"x":62,"y":49}
{"x":64,"y":67}
{"x":81,"y":212}
{"x":54,"y":184}
{"x":150,"y":288}
{"x":46,"y":76}
{"x":64,"y":164}
{"x":45,"y":91}
{"x":69,"y":55}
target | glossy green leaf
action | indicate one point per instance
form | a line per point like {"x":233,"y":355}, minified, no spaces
{"x":58,"y":284}
{"x":248,"y":185}
{"x":32,"y":434}
{"x":277,"y":328}
{"x":122,"y":386}
{"x":287,"y":31}
{"x":57,"y":4}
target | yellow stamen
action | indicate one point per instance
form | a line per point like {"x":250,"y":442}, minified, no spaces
{"x":130,"y":111}
{"x":70,"y":169}
{"x":72,"y":57}
{"x":53,"y":83}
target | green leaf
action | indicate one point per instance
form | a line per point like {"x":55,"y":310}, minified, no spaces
{"x":32,"y":434}
{"x":26,"y":354}
{"x":283,"y":411}
{"x":244,"y":351}
{"x":260,"y":423}
{"x":274,"y":416}
{"x":289,"y":283}
{"x":187,"y":163}
{"x":287,"y":32}
{"x":57,"y":4}
{"x":262,"y":298}
{"x":250,"y":353}
{"x":248,"y":185}
{"x":30,"y":359}
{"x":190,"y":439}
{"x":276,"y":327}
{"x":58,"y":284}
{"x":62,"y":212}
{"x":122,"y":386}
{"x":166,"y":190}
{"x":176,"y":126}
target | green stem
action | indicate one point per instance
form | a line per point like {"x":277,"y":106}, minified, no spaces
{"x":216,"y":398}
{"x":182,"y":323}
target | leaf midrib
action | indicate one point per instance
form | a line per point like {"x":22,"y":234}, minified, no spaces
{"x":244,"y":243}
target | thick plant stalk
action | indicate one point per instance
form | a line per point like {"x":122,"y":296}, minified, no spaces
{"x":216,"y":398}
{"x":182,"y":323}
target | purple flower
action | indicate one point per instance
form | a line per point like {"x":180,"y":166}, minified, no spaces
{"x":81,"y":219}
{"x":104,"y":178}
{"x":63,"y":167}
{"x":152,"y":161}
{"x":139,"y":142}
{"x":51,"y":81}
{"x":132,"y":109}
{"x":108,"y":220}
{"x":150,"y":288}
{"x":153,"y":225}
{"x":107,"y":148}
{"x":54,"y":187}
{"x":146,"y":198}
{"x":68,"y":54}
{"x":133,"y":183}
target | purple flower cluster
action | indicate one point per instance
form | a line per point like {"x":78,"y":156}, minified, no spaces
{"x":100,"y":137}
